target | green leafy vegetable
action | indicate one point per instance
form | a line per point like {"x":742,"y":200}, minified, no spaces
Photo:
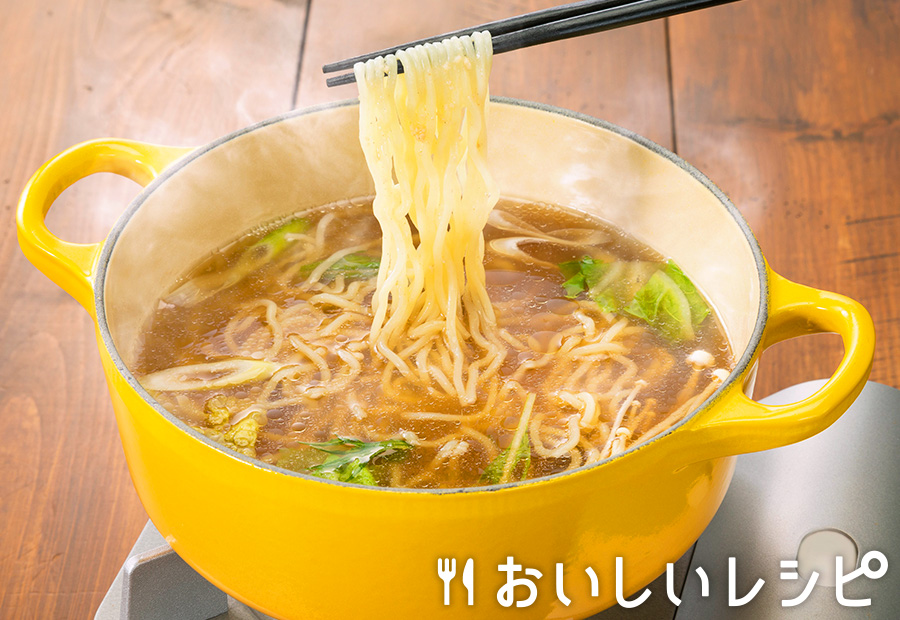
{"x":269,"y":246}
{"x":633,"y":275}
{"x":299,"y":459}
{"x":660,"y":294}
{"x":494,"y":471}
{"x":257,"y":255}
{"x":347,"y":459}
{"x":611,"y":285}
{"x":699,"y":309}
{"x":670,"y":303}
{"x":307,"y":460}
{"x":574,"y":286}
{"x":607,"y":301}
{"x":582,"y":275}
{"x":574,"y":283}
{"x":356,"y":266}
{"x":664,"y":306}
{"x":363,"y":475}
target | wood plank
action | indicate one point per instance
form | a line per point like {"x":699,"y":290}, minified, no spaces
{"x":619,"y":76}
{"x":174,"y":71}
{"x":793,"y":108}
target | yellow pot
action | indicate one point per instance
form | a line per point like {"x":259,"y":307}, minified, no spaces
{"x":294,"y":546}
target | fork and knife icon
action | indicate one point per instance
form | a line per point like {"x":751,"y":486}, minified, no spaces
{"x":447,"y":570}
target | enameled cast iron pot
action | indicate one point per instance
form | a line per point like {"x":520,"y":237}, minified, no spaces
{"x":295,"y":546}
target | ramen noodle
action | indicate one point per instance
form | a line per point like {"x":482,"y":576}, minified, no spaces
{"x":433,"y":337}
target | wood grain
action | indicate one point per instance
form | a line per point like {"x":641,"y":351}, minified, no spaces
{"x":171,"y":72}
{"x":619,"y":76}
{"x":793,"y":108}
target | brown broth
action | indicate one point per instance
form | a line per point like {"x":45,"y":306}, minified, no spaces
{"x":530,"y":304}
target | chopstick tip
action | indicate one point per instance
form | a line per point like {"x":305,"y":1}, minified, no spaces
{"x":340,"y":80}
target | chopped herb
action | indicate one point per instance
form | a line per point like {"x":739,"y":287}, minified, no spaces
{"x":494,"y":472}
{"x":347,"y":459}
{"x":356,"y":266}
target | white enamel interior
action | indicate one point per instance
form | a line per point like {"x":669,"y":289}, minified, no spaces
{"x":309,"y":160}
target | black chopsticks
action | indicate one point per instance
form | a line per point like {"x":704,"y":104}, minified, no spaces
{"x":553,"y":24}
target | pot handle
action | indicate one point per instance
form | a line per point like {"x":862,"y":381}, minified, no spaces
{"x":738,"y":424}
{"x":71,"y":265}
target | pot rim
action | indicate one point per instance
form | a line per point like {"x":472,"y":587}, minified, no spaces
{"x":736,"y":373}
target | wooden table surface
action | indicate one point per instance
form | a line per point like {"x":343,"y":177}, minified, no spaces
{"x":793,"y":108}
